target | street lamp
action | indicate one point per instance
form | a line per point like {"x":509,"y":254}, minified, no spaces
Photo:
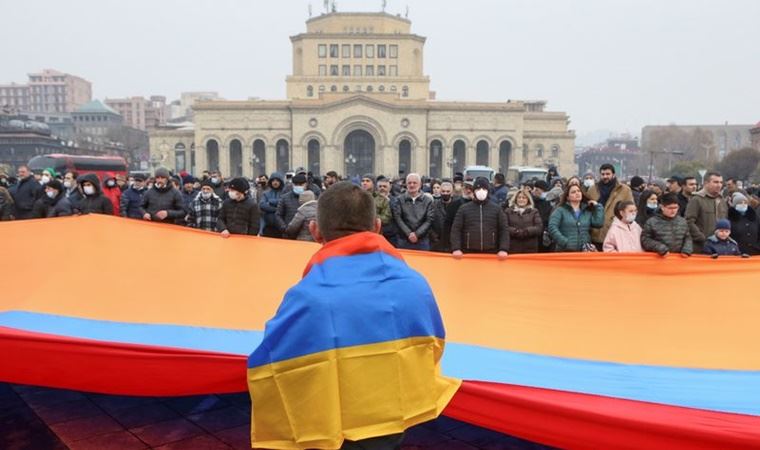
{"x":661,"y":152}
{"x":350,"y":161}
{"x":450,"y":163}
{"x":254,"y":162}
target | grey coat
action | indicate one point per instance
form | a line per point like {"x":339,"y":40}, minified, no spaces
{"x":298,"y":228}
{"x":413,"y":215}
{"x":167,"y":199}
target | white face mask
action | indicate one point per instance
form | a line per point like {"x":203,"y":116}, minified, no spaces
{"x":89,"y":190}
{"x":630,"y":218}
{"x":233,"y":195}
{"x":51,"y":194}
{"x":68,"y":184}
{"x":206,"y":195}
{"x":45,"y":179}
{"x":215,"y":180}
{"x":481,"y":194}
{"x":110,"y":183}
{"x":588,"y":182}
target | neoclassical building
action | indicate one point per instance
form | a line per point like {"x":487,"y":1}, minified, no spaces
{"x":358,"y":102}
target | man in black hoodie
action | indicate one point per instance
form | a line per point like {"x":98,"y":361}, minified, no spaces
{"x":480,"y":226}
{"x":162,"y":203}
{"x":94,"y":201}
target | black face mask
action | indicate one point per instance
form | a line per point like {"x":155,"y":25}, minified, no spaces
{"x":446,"y":197}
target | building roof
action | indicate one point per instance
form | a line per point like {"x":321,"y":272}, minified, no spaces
{"x":96,"y":106}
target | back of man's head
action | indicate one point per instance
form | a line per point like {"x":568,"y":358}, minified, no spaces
{"x":345,"y":209}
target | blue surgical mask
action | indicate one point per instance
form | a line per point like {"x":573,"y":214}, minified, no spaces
{"x":652,"y":205}
{"x":298,"y":190}
{"x":741,"y":208}
{"x":542,"y":196}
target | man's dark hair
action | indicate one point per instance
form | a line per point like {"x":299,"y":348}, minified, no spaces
{"x":345,"y":209}
{"x":669,"y":199}
{"x":73,"y":173}
{"x":499,"y":179}
{"x":686,"y":179}
{"x":731,"y":179}
{"x":332,"y":174}
{"x":607,"y":166}
{"x":709,"y":175}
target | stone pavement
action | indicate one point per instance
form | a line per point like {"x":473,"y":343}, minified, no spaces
{"x":40,"y":419}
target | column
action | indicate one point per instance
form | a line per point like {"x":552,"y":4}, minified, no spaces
{"x":271,"y":162}
{"x":224,"y":159}
{"x":247,"y":163}
{"x":201,"y":159}
{"x":470,"y":151}
{"x":448,"y":156}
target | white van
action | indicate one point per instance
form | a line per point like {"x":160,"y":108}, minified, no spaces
{"x":516,"y":175}
{"x":473,"y":172}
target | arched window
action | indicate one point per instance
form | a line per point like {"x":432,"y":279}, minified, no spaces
{"x":481,"y":153}
{"x":370,"y":89}
{"x":505,"y":154}
{"x":212,"y":154}
{"x":283,"y":155}
{"x":346,"y":88}
{"x":333,"y":88}
{"x":460,"y":156}
{"x":259,"y":161}
{"x":236,"y":158}
{"x":404,"y":157}
{"x":381,"y":88}
{"x":555,"y":151}
{"x":310,"y":91}
{"x":180,"y":157}
{"x":313,"y":156}
{"x":436,"y":159}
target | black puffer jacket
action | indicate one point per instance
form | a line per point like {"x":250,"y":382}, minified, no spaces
{"x":744,"y":230}
{"x":480,"y":227}
{"x":239,"y":217}
{"x":96,"y":203}
{"x":58,"y":206}
{"x":166,"y":199}
{"x":413,"y":215}
{"x":524,"y":229}
{"x":286,"y":209}
{"x":663,"y":234}
{"x":25,"y":193}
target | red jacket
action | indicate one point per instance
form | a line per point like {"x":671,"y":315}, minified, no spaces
{"x":112,"y":193}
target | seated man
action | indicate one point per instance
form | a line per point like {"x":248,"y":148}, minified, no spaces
{"x":667,"y":232}
{"x":352,"y":357}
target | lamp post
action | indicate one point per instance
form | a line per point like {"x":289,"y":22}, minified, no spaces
{"x":350,"y":161}
{"x":254,"y":162}
{"x":661,"y":152}
{"x":450,"y":163}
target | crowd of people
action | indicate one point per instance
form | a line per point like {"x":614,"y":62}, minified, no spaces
{"x":596,"y":212}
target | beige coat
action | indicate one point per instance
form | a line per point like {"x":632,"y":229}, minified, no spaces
{"x":620,"y":193}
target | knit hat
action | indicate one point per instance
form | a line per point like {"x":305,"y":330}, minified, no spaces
{"x":207,"y":182}
{"x":299,"y":179}
{"x":55,"y":184}
{"x":636,"y":182}
{"x":240,"y":184}
{"x":138,"y":177}
{"x":541,"y":184}
{"x":307,"y":196}
{"x":481,"y":183}
{"x":162,"y":172}
{"x":723,"y":224}
{"x":188,"y":179}
{"x":51,"y":171}
{"x":738,"y":197}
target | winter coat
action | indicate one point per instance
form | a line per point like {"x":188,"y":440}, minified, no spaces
{"x":58,"y":206}
{"x":571,"y":234}
{"x":286,"y":209}
{"x":204,"y":213}
{"x":443,"y":218}
{"x":114,"y":195}
{"x":621,"y":192}
{"x":645,"y":214}
{"x":96,"y":203}
{"x":131,"y":203}
{"x":188,"y":197}
{"x":24,"y":194}
{"x":382,"y":208}
{"x":6,"y":204}
{"x":480,"y":227}
{"x":744,"y":230}
{"x":716,"y":247}
{"x":500,"y":194}
{"x":683,"y":203}
{"x":74,"y":196}
{"x":702,"y":213}
{"x":623,"y":238}
{"x":413,"y":215}
{"x":166,"y":199}
{"x":268,"y":206}
{"x":239,"y":217}
{"x":524,"y":229}
{"x":298,"y":228}
{"x":662,"y":235}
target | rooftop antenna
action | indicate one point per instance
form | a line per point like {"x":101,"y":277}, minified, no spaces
{"x":385,"y":4}
{"x":406,"y":15}
{"x":327,"y":5}
{"x":309,"y":9}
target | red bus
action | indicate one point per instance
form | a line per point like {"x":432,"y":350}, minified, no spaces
{"x":99,"y":165}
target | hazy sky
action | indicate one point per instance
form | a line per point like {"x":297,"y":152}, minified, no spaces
{"x":610,"y":64}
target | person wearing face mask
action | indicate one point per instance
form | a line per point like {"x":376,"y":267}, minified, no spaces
{"x":25,"y":192}
{"x":268,"y":205}
{"x":607,"y":192}
{"x":132,"y":198}
{"x":744,"y":224}
{"x":298,"y":228}
{"x":240,"y":213}
{"x":112,"y":191}
{"x":444,"y":211}
{"x":545,"y":208}
{"x":524,"y":222}
{"x":53,"y":204}
{"x":162,"y":203}
{"x":624,"y":235}
{"x":47,"y":175}
{"x":648,"y":207}
{"x":71,"y":189}
{"x":667,"y":232}
{"x":480,"y":226}
{"x":288,"y":203}
{"x":6,"y":200}
{"x":205,"y":208}
{"x":217,"y":181}
{"x":93,"y":202}
{"x":588,"y":181}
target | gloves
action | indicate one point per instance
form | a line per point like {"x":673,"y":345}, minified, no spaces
{"x":744,"y":255}
{"x":714,"y":256}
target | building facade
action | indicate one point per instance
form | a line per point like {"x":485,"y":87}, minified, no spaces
{"x":139,"y":112}
{"x":15,"y":97}
{"x":725,"y":138}
{"x":755,"y":136}
{"x":358,"y":102}
{"x":49,"y":91}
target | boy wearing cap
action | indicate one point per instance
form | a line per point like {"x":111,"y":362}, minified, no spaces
{"x":240,"y":213}
{"x":720,"y":243}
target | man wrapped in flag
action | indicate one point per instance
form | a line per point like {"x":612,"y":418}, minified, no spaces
{"x":352,"y":356}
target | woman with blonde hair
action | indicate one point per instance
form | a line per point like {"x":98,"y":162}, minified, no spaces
{"x":524,"y":223}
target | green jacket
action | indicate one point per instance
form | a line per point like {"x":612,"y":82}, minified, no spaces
{"x":382,"y":208}
{"x":571,"y":234}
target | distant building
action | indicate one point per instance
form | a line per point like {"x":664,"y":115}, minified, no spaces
{"x":139,"y":112}
{"x":755,"y":136}
{"x":189,"y":99}
{"x":22,"y":139}
{"x":725,"y":138}
{"x":49,"y":91}
{"x":622,"y":152}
